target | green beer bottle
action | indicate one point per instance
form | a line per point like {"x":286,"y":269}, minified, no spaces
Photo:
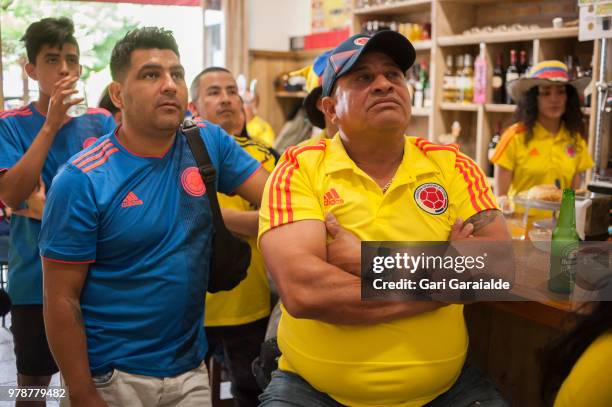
{"x":564,"y":247}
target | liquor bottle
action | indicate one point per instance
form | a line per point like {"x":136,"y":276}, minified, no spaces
{"x":413,"y":77}
{"x":522,"y":66}
{"x":449,"y":88}
{"x":528,"y":66}
{"x":511,"y":74}
{"x":467,"y":80}
{"x":564,"y":247}
{"x":571,"y":67}
{"x":494,"y":141}
{"x":498,"y":82}
{"x":426,"y":86}
{"x":480,"y":76}
{"x":419,"y":94}
{"x":458,"y":77}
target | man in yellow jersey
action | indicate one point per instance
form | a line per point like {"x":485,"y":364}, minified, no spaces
{"x":336,"y":348}
{"x":256,"y":126}
{"x":236,"y":319}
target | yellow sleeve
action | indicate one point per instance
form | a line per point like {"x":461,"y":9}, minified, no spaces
{"x":588,"y":383}
{"x":289,"y":195}
{"x":505,"y":152}
{"x":469,"y":192}
{"x":584,"y":160}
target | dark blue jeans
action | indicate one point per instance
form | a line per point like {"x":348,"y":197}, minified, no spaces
{"x":470,"y":389}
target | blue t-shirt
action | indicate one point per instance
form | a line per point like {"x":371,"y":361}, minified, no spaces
{"x":18,"y":128}
{"x":145,"y":225}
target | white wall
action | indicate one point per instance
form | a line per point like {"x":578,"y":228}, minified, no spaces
{"x":272,"y":22}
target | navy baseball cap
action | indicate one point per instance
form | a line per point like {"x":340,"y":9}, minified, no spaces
{"x":346,"y":55}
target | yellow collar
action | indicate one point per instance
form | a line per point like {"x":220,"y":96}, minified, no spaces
{"x":540,"y":131}
{"x":414,"y":162}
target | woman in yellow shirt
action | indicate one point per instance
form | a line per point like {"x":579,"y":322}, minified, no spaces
{"x":547,"y":143}
{"x":579,"y":365}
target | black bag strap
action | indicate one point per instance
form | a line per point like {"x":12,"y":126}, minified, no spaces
{"x":207,"y":170}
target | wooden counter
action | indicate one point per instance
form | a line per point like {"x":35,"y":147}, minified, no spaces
{"x":506,"y":338}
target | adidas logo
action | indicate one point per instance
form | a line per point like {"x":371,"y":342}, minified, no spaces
{"x":131,"y":200}
{"x":534,"y":152}
{"x":331,"y":197}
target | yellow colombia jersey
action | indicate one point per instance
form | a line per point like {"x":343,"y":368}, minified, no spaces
{"x":250,"y":300}
{"x":407,"y":362}
{"x":544,"y":159}
{"x":588,"y":384}
{"x":260,"y":129}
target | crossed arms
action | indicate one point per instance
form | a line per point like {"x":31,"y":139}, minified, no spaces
{"x":322,"y":281}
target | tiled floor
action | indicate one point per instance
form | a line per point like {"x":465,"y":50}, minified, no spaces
{"x":8,"y":375}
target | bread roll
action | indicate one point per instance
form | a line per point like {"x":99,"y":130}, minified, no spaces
{"x":545,"y":193}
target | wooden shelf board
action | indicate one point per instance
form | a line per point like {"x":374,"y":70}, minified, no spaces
{"x":297,"y":55}
{"x":462,"y":107}
{"x":398,"y":7}
{"x":421,"y":111}
{"x":424,"y":45}
{"x":475,"y":1}
{"x":294,"y":95}
{"x":497,"y":108}
{"x":514,"y":36}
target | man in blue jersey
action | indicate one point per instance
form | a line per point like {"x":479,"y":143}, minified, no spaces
{"x":236,"y":320}
{"x":35,"y":141}
{"x":126,"y":241}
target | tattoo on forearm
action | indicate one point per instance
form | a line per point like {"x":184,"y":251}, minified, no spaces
{"x":482,"y":219}
{"x":78,"y":316}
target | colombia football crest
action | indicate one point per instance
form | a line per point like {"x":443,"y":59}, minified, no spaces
{"x":192,"y":182}
{"x":432,"y":198}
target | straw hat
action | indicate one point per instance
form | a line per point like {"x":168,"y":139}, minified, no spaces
{"x":545,"y":73}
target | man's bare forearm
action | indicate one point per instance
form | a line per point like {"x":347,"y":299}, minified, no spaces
{"x":244,"y":223}
{"x":502,"y":181}
{"x":334,"y":296}
{"x":67,"y":340}
{"x":18,"y":182}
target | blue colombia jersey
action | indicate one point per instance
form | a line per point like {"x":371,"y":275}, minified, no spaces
{"x":145,"y":225}
{"x":18,"y":128}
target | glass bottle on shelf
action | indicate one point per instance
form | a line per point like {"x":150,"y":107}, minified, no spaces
{"x":458,"y":77}
{"x":522,"y":66}
{"x":571,"y":67}
{"x":426,"y":87}
{"x":498,"y":81}
{"x":467,"y":80}
{"x":512,"y":73}
{"x":480,"y":76}
{"x":413,"y":75}
{"x":449,"y":89}
{"x":419,"y":93}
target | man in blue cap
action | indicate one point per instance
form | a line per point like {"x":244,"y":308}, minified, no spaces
{"x":323,"y":199}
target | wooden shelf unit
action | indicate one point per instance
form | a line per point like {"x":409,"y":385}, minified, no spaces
{"x":449,"y":19}
{"x":508,"y":36}
{"x":459,"y":107}
{"x":399,"y":7}
{"x":421,"y":111}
